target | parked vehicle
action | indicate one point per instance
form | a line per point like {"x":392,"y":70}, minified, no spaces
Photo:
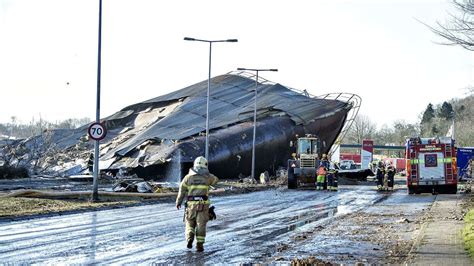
{"x":356,"y":157}
{"x":463,"y":155}
{"x":431,"y":165}
{"x":347,"y":165}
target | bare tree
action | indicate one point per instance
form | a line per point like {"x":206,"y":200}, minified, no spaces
{"x":362,"y":128}
{"x":459,"y":28}
{"x":403,"y":130}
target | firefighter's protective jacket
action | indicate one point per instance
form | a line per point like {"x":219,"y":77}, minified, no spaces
{"x":196,"y":185}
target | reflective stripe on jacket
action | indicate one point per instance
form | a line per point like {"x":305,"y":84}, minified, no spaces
{"x":194,"y":184}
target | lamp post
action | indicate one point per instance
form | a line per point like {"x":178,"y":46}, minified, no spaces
{"x":255,"y":112}
{"x":208,"y":85}
{"x":95,"y":186}
{"x":453,"y":135}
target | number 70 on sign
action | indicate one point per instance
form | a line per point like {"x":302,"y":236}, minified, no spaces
{"x":97,"y":131}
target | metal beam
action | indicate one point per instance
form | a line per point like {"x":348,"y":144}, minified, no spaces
{"x":377,"y":147}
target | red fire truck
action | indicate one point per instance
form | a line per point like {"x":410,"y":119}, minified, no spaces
{"x":431,"y":165}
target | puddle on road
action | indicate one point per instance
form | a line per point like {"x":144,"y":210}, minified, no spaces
{"x":321,"y":211}
{"x":337,"y":250}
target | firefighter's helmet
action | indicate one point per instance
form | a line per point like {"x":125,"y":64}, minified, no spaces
{"x":324,"y":156}
{"x":200,"y":162}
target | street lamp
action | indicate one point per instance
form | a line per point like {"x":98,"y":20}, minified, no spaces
{"x":255,"y":112}
{"x":208,"y":85}
{"x":95,"y":184}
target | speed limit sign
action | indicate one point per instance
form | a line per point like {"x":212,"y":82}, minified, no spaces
{"x":97,"y":131}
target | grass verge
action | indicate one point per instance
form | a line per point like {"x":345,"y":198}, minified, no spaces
{"x":14,"y":207}
{"x":468,"y":230}
{"x":23,"y":203}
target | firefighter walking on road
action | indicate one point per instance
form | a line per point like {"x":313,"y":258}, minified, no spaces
{"x":195,"y":188}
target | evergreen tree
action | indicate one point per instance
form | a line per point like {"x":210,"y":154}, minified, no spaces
{"x":446,"y":111}
{"x":428,"y":115}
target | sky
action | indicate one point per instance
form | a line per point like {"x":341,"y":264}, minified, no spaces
{"x":376,"y":49}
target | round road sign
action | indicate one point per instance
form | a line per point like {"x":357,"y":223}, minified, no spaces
{"x":97,"y":131}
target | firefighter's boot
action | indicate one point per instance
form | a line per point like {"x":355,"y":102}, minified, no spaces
{"x":190,"y":244}
{"x":200,"y":247}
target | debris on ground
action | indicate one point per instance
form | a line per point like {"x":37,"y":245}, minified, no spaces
{"x":139,"y":186}
{"x":264,"y":178}
{"x":247,"y":180}
{"x":281,"y":178}
{"x":308,"y":261}
{"x":466,"y":187}
{"x":403,"y":220}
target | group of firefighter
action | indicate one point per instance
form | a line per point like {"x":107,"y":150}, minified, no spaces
{"x":385,"y":175}
{"x":326,"y":174}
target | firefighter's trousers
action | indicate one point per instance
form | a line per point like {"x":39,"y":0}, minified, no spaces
{"x":385,"y":182}
{"x":197,"y":216}
{"x":332,"y":182}
{"x":379,"y":181}
{"x":391,"y":181}
{"x":320,"y":182}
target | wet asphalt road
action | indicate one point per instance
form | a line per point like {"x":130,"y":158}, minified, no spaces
{"x":249,"y":229}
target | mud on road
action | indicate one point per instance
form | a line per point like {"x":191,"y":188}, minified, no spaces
{"x":356,"y":224}
{"x":382,"y":232}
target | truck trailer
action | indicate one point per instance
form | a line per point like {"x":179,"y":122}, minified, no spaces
{"x":464,"y":157}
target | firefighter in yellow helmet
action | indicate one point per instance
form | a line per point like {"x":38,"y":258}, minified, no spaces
{"x":195,"y":188}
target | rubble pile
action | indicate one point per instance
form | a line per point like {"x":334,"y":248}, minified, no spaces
{"x":59,"y":152}
{"x":140,"y":186}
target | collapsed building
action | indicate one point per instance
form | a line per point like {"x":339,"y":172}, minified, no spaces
{"x":159,"y":138}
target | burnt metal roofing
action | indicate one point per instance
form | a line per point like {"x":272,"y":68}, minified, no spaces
{"x":231,"y":101}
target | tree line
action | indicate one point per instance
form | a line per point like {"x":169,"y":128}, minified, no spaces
{"x":37,"y":127}
{"x":436,"y":120}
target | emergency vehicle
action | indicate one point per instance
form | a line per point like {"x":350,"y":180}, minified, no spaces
{"x":431,"y":165}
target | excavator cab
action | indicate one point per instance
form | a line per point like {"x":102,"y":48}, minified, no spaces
{"x":308,"y":145}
